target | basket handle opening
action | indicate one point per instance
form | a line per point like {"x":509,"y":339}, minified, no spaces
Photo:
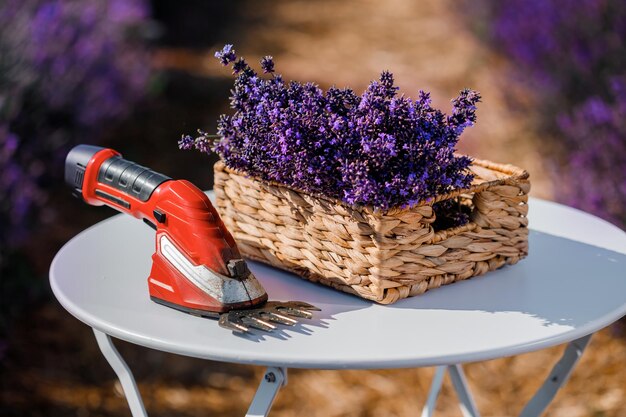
{"x":453,"y":216}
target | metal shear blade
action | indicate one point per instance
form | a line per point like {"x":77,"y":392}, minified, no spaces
{"x":241,"y":321}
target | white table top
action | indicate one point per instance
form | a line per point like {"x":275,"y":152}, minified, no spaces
{"x":572,"y":284}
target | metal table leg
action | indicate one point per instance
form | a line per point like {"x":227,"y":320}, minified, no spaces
{"x":466,"y":402}
{"x":273,"y":380}
{"x":468,"y":407}
{"x":123,"y":373}
{"x":435,"y":387}
{"x":557,"y":378}
{"x":535,"y":407}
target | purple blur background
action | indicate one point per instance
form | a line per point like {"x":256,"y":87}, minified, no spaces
{"x":136,"y":74}
{"x":573,"y":54}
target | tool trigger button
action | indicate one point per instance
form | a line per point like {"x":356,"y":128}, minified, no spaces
{"x":159,"y":216}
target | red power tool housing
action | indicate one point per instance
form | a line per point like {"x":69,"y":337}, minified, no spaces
{"x":196,"y":266}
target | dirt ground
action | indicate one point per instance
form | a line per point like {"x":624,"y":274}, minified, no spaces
{"x":53,"y":367}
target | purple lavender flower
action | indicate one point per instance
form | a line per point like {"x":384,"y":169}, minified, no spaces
{"x":226,"y":55}
{"x":267,"y":63}
{"x":239,"y":66}
{"x":204,"y":142}
{"x":378,"y":149}
{"x":186,"y":142}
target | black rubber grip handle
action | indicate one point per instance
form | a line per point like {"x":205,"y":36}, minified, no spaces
{"x":130,"y":178}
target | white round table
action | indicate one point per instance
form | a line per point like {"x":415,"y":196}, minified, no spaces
{"x":571,"y":285}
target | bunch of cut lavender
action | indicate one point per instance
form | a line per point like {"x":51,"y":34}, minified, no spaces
{"x":379,"y":149}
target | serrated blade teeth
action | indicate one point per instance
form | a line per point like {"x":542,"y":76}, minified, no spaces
{"x":260,"y":318}
{"x":282,"y":319}
{"x":258,"y":323}
{"x":232,"y":325}
{"x":296,"y":312}
{"x":302,"y":305}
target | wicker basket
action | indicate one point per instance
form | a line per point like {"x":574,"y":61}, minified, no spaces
{"x":380,"y":256}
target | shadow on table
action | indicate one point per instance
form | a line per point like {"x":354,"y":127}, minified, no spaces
{"x":562,"y":282}
{"x":286,"y":286}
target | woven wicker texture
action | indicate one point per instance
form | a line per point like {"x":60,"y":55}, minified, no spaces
{"x":380,"y":256}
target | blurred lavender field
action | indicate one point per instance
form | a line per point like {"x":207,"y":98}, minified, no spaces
{"x":572,"y":56}
{"x":135,"y":74}
{"x":67,"y":69}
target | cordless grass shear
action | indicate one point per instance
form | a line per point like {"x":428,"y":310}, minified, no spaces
{"x":197,"y":267}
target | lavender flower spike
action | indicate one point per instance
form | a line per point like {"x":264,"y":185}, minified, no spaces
{"x":464,"y":109}
{"x":267,"y":63}
{"x":239,"y":66}
{"x":226,"y":55}
{"x":186,"y":142}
